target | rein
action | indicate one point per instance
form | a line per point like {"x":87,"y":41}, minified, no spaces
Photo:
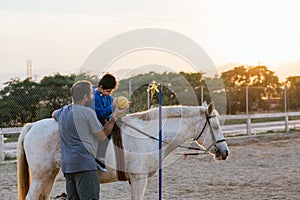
{"x":154,"y":138}
{"x":205,"y":151}
{"x":211,"y":133}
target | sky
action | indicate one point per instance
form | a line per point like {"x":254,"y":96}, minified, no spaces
{"x":58,"y":36}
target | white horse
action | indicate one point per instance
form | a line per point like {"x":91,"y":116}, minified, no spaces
{"x":39,"y":147}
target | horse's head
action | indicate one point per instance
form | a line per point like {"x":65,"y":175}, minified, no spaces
{"x":209,"y":135}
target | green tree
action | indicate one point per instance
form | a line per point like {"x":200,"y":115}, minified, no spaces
{"x":263,"y":84}
{"x":139,"y":85}
{"x":85,"y":76}
{"x":235,"y":81}
{"x":293,"y":92}
{"x":178,"y":88}
{"x":55,"y":93}
{"x":19,"y":100}
{"x":28,"y":101}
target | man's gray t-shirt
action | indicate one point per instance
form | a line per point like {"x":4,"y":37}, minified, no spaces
{"x":77,"y":126}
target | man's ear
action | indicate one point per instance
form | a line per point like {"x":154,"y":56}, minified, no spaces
{"x":86,"y":97}
{"x":211,"y":107}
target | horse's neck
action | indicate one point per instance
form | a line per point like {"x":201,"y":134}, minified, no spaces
{"x":173,"y":139}
{"x":179,"y":125}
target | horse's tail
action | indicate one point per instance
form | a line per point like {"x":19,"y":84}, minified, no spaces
{"x":22,"y":165}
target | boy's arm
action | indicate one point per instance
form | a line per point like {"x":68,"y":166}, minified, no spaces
{"x":110,"y":125}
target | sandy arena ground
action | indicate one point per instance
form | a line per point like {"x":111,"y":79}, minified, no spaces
{"x":265,"y":167}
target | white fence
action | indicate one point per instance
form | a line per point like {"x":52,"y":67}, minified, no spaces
{"x":6,"y":131}
{"x":229,"y":129}
{"x":261,"y":116}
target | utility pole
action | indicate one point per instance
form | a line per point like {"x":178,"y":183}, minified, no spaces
{"x":247,"y":111}
{"x":29,"y":69}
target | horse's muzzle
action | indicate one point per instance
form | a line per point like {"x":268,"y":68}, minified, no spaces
{"x":221,"y":155}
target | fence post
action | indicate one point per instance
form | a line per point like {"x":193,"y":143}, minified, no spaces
{"x":285,"y":110}
{"x":1,"y":146}
{"x":247,"y":112}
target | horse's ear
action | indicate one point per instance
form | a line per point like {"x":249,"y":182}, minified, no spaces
{"x":204,"y":105}
{"x":211,"y":107}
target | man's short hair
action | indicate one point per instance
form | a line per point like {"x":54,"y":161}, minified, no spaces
{"x":108,"y":81}
{"x":79,"y":89}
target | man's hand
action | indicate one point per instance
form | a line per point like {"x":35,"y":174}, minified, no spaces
{"x":119,"y":113}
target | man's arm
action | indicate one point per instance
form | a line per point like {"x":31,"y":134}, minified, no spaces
{"x":108,"y":127}
{"x":55,"y":115}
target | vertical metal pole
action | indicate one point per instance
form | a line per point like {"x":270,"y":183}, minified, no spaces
{"x":247,"y":112}
{"x":148,"y":99}
{"x":129,"y":91}
{"x":1,"y":147}
{"x":160,"y":141}
{"x":285,"y":110}
{"x":201,"y":94}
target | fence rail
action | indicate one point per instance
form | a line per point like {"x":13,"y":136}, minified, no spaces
{"x":257,"y":116}
{"x":13,"y":130}
{"x":249,"y":117}
{"x":228,"y":128}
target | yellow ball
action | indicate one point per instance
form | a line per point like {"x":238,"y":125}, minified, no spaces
{"x":122,"y":102}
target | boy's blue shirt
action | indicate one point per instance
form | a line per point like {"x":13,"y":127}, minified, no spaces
{"x":102,"y":105}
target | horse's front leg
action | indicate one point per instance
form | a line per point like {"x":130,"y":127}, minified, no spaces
{"x":138,"y":185}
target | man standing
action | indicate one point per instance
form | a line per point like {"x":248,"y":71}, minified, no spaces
{"x":80,"y":131}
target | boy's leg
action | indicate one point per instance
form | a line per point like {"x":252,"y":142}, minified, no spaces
{"x":102,"y":147}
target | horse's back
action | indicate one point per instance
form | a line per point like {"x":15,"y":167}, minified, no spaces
{"x":49,"y":124}
{"x":41,"y":131}
{"x":42,"y":145}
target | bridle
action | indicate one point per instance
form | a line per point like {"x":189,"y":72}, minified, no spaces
{"x":207,"y":122}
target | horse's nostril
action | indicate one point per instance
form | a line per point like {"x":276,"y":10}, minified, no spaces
{"x":227,"y":152}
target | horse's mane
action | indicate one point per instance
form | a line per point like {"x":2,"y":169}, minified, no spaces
{"x":168,"y":112}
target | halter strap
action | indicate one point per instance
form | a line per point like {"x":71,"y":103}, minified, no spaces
{"x":206,"y":122}
{"x":211,"y":133}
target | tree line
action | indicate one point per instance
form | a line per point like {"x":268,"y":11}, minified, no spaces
{"x":23,"y":101}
